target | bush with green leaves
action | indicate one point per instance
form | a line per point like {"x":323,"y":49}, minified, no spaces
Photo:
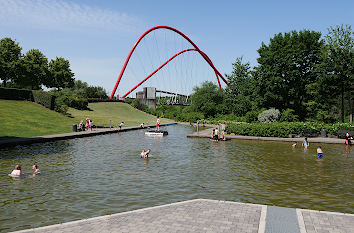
{"x":270,"y":115}
{"x":284,"y":129}
{"x":73,"y":101}
{"x":44,"y":98}
{"x":289,"y":115}
{"x":251,"y":116}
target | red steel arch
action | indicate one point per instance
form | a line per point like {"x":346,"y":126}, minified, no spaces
{"x":206,"y":58}
{"x":149,"y":76}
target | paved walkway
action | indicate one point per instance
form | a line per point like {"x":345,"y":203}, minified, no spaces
{"x":207,"y":134}
{"x":87,"y":133}
{"x":203,"y":215}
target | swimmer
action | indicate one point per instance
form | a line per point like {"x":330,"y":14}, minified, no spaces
{"x":16,"y":171}
{"x":35,"y":170}
{"x":294,"y":145}
{"x":319,"y":152}
{"x":145,"y":154}
{"x":305,"y":143}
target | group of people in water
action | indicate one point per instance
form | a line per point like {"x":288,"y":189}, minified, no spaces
{"x":306,"y":145}
{"x":17,"y":172}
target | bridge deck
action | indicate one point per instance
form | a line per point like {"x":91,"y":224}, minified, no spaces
{"x":203,"y":215}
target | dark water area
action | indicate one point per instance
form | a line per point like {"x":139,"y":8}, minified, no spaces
{"x":88,"y":177}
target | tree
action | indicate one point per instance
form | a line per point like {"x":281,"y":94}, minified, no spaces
{"x":239,"y":95}
{"x":60,"y":75}
{"x":10,"y":53}
{"x":286,"y":68}
{"x":207,"y":99}
{"x":34,"y":70}
{"x":338,"y":66}
{"x":95,"y":92}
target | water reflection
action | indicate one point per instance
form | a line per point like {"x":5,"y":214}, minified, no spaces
{"x":99,"y":175}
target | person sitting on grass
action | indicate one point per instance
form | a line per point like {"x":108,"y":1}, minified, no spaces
{"x":81,"y":125}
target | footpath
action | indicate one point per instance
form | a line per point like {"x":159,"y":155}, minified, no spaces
{"x":203,"y":215}
{"x":206,"y":133}
{"x":80,"y":134}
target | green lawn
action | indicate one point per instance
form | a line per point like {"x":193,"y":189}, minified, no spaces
{"x":117,"y":112}
{"x":27,"y":119}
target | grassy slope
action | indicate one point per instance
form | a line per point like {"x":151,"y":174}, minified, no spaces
{"x":102,"y":113}
{"x":27,"y":119}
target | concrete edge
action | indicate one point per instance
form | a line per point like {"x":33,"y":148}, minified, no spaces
{"x":56,"y":137}
{"x":136,"y":211}
{"x":300,"y":221}
{"x":262,"y":220}
{"x":326,"y":212}
{"x":312,"y":140}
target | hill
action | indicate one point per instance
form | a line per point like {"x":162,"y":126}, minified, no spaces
{"x":27,"y":119}
{"x":102,"y":113}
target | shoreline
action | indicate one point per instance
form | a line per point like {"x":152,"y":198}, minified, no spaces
{"x":55,"y":137}
{"x":207,"y":132}
{"x":208,"y":215}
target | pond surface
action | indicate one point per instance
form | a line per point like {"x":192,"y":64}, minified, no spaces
{"x":87,"y":177}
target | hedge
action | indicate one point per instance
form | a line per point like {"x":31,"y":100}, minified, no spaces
{"x":15,"y":94}
{"x":44,"y":98}
{"x":95,"y":100}
{"x":284,"y":129}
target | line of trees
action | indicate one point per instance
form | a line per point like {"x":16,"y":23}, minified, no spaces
{"x":32,"y":69}
{"x":305,"y":77}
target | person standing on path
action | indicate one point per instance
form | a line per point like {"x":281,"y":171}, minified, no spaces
{"x":90,"y":123}
{"x":121,"y":125}
{"x":216,"y":136}
{"x":348,"y":139}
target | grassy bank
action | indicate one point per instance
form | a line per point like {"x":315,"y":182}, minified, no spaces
{"x":102,"y":113}
{"x":27,"y":119}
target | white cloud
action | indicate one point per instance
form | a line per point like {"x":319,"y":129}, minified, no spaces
{"x":63,"y":15}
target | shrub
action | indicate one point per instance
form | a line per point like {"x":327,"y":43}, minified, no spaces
{"x":60,"y":106}
{"x":270,"y":115}
{"x":73,"y":101}
{"x":251,"y":116}
{"x":284,"y":129}
{"x":15,"y":94}
{"x":44,"y":98}
{"x":289,"y":115}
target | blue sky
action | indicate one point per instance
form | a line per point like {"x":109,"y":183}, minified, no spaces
{"x":96,"y":36}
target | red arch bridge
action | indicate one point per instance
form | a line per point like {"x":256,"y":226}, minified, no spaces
{"x":148,"y":75}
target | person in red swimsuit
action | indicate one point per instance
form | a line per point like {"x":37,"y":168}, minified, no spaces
{"x":158,"y":124}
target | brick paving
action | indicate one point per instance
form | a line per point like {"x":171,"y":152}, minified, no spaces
{"x":203,"y":215}
{"x":325,"y":222}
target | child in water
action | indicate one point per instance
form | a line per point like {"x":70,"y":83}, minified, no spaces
{"x":145,"y":154}
{"x":319,"y":152}
{"x":16,"y":171}
{"x":35,"y":169}
{"x":306,"y":143}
